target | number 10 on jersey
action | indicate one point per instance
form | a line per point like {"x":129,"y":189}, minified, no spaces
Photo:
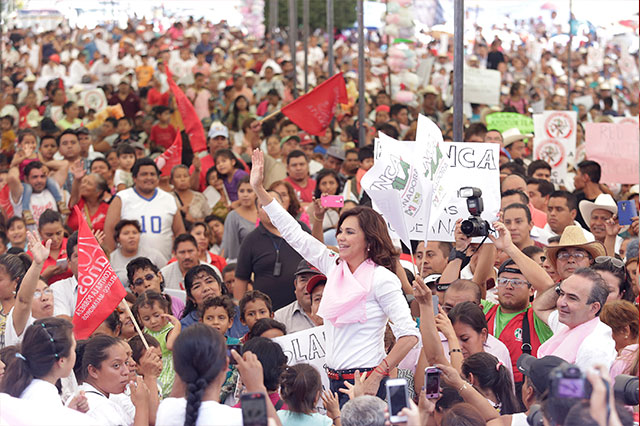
{"x":154,"y":225}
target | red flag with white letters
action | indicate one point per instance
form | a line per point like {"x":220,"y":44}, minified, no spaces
{"x":171,"y":157}
{"x":99,"y":289}
{"x":192,"y":124}
{"x":5,"y":201}
{"x":314,"y":111}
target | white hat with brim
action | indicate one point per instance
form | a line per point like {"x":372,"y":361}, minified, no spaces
{"x":573,"y":237}
{"x":513,"y":135}
{"x":602,"y":202}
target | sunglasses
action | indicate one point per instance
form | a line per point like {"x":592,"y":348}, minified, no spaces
{"x":514,"y":282}
{"x":141,"y":281}
{"x":607,"y":259}
{"x":38,"y":294}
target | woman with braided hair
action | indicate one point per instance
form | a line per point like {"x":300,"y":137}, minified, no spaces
{"x":200,"y":360}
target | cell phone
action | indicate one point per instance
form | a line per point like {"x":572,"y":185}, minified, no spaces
{"x":397,"y":399}
{"x":62,"y":263}
{"x":254,"y":409}
{"x":626,"y":212}
{"x":432,"y":382}
{"x":332,"y":201}
{"x":435,"y":300}
{"x":237,"y":348}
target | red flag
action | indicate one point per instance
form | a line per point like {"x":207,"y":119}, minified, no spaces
{"x":99,"y":289}
{"x":171,"y":157}
{"x":192,"y":124}
{"x":5,"y":201}
{"x":313,"y":112}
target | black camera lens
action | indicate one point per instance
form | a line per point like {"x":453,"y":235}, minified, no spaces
{"x":468,"y":227}
{"x":626,"y":389}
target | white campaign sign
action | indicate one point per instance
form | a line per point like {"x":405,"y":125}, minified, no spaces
{"x":481,"y":86}
{"x":94,"y":99}
{"x":468,"y":164}
{"x":307,"y":347}
{"x":555,"y":142}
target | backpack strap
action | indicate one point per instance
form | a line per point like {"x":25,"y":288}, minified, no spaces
{"x":526,"y":334}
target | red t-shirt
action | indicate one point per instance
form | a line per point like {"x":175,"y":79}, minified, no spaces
{"x":154,"y":97}
{"x":97,"y":220}
{"x":304,"y":194}
{"x":163,"y":136}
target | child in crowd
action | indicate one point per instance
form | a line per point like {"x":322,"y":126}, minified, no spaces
{"x":162,"y":133}
{"x":229,"y":171}
{"x":126,"y":159}
{"x":27,"y":153}
{"x":254,"y":305}
{"x":228,"y":276}
{"x":48,"y":148}
{"x":301,"y":388}
{"x":125,"y":134}
{"x":151,"y":309}
{"x":17,"y":233}
{"x":8,"y":136}
{"x":216,"y":194}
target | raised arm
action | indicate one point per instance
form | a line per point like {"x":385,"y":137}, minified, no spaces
{"x":452,"y":270}
{"x":77,"y":169}
{"x":545,"y":303}
{"x":535,"y":275}
{"x":431,"y":344}
{"x":24,"y":298}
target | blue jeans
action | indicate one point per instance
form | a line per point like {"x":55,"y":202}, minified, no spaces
{"x":334,"y":385}
{"x":27,"y":191}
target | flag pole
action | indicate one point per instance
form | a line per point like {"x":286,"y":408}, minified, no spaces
{"x":270,"y":116}
{"x":413,"y":261}
{"x":361,"y":65}
{"x":458,"y":70}
{"x":135,"y":323}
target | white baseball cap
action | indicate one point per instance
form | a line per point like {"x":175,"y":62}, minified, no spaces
{"x":218,"y":129}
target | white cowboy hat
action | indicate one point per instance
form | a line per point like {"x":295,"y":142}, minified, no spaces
{"x":602,"y":202}
{"x":513,"y":135}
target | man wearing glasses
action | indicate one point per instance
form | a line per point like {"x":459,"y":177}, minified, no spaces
{"x":572,"y":309}
{"x":573,"y":252}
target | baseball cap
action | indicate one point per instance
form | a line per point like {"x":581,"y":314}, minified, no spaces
{"x":218,"y":129}
{"x":305,"y":267}
{"x":538,"y":370}
{"x":287,"y":138}
{"x":335,"y":152}
{"x":315,"y":281}
{"x":509,"y":266}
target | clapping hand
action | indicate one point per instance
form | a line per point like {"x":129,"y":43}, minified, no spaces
{"x":257,"y":169}
{"x":39,"y":252}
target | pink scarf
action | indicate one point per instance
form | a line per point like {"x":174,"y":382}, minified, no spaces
{"x":566,"y":343}
{"x":345,"y":295}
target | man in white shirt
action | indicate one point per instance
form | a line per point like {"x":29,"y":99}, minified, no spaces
{"x":296,"y":315}
{"x":572,"y":309}
{"x":102,"y":69}
{"x":65,"y":292}
{"x":185,"y":249}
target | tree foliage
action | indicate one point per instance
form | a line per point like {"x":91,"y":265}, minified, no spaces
{"x":344,"y":14}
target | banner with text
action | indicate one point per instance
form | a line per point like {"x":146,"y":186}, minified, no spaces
{"x":502,"y":121}
{"x":615,"y":148}
{"x":555,"y":142}
{"x":481,"y":86}
{"x":468,"y":164}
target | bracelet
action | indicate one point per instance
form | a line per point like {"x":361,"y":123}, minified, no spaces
{"x":454,"y":350}
{"x":386,"y":363}
{"x":381,"y":371}
{"x":463,"y":387}
{"x":315,"y":216}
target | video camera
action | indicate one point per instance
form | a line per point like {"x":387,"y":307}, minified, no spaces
{"x":475,"y":226}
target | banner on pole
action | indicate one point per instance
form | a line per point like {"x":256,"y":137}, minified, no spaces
{"x":502,"y":121}
{"x":555,"y":142}
{"x":615,"y":148}
{"x":481,"y":86}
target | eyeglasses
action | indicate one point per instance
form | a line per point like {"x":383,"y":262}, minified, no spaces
{"x":38,"y":294}
{"x":141,"y":281}
{"x":514,"y":282}
{"x":578,"y":255}
{"x":617,"y":263}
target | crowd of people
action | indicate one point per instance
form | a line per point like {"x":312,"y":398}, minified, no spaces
{"x":234,"y":248}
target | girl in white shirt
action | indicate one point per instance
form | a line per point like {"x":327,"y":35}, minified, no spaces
{"x":200,"y":361}
{"x":104,"y":372}
{"x":47,"y":354}
{"x":362,"y":292}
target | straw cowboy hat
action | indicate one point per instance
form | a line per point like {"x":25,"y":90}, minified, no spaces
{"x":573,"y":237}
{"x":602,"y":202}
{"x":513,"y":135}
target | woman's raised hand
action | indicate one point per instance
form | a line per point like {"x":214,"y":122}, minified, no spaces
{"x":39,"y":251}
{"x":257,"y":169}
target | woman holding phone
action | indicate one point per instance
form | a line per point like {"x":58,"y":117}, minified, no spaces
{"x":361,"y":295}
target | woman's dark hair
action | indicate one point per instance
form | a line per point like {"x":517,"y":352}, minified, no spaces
{"x":380,"y":249}
{"x":49,"y":216}
{"x":188,"y":284}
{"x":94,"y":351}
{"x":235,"y":126}
{"x":624,"y":280}
{"x":299,"y":387}
{"x":26,"y":132}
{"x":15,"y":265}
{"x":271,"y":357}
{"x":211,"y":170}
{"x":44,"y":343}
{"x":333,"y":136}
{"x":226,"y":153}
{"x":265,"y":324}
{"x":141,"y":263}
{"x":137,"y":347}
{"x":323,"y":174}
{"x":294,"y":203}
{"x":66,"y":106}
{"x":448,"y":398}
{"x":113,"y":322}
{"x":199,"y":356}
{"x":124,"y":222}
{"x":470,"y":314}
{"x":15,"y":219}
{"x":463,"y":414}
{"x":149,"y":298}
{"x":492,"y":374}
